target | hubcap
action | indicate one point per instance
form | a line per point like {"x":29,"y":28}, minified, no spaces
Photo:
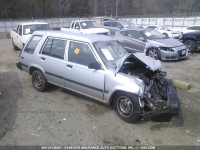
{"x":38,"y":81}
{"x":124,"y":106}
{"x":153,"y":53}
{"x":189,"y":46}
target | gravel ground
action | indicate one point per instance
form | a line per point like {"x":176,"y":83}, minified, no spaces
{"x":61,"y":117}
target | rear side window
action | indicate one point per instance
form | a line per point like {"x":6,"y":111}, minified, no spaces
{"x":32,"y":44}
{"x":106,"y":23}
{"x":55,"y":48}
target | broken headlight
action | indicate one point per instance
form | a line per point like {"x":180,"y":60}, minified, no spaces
{"x":168,"y":49}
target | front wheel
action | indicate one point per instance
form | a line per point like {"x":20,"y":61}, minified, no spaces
{"x":127,"y":107}
{"x":39,"y":82}
{"x":191,"y":45}
{"x":154,"y":53}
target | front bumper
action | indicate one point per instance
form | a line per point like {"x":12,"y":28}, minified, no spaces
{"x":166,"y":55}
{"x":172,"y":108}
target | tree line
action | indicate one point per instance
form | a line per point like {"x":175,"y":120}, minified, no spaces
{"x":16,"y":9}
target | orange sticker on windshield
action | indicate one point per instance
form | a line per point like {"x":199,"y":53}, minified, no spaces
{"x":76,"y":51}
{"x":148,"y":57}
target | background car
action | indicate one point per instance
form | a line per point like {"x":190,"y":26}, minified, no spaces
{"x":152,"y":43}
{"x":191,"y":29}
{"x":118,"y":25}
{"x":191,"y":40}
{"x":165,"y":30}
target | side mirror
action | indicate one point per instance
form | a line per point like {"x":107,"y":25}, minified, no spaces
{"x":95,"y":66}
{"x":169,"y":30}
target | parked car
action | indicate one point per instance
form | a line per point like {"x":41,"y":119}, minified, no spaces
{"x":118,"y":25}
{"x":191,"y":29}
{"x":191,"y":40}
{"x":99,"y":67}
{"x":101,"y":19}
{"x":152,"y":43}
{"x":87,"y":27}
{"x":165,"y":30}
{"x":24,"y":30}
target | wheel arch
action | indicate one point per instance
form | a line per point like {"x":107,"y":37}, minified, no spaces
{"x":33,"y":68}
{"x":190,"y":38}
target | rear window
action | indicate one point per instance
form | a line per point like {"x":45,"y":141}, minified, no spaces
{"x":32,"y":44}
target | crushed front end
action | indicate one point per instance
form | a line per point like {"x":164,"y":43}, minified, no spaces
{"x":159,"y":96}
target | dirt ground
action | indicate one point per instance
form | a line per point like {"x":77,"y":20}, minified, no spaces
{"x":61,"y":117}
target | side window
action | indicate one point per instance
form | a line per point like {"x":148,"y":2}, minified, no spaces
{"x":77,"y":25}
{"x":134,"y":34}
{"x":58,"y":48}
{"x":47,"y":48}
{"x":113,"y":24}
{"x":55,"y":48}
{"x":119,"y":25}
{"x":20,"y":30}
{"x":80,"y":53}
{"x":106,"y":23}
{"x":32,"y":44}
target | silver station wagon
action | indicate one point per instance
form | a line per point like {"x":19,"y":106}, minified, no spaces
{"x":99,"y":67}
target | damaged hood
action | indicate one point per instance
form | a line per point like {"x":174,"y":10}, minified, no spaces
{"x":169,"y":42}
{"x":151,"y":63}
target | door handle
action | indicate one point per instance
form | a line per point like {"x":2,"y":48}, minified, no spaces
{"x":22,"y":57}
{"x":42,"y":58}
{"x":69,"y":66}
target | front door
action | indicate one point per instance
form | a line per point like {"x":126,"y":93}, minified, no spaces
{"x":78,"y":76}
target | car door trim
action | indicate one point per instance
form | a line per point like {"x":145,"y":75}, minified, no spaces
{"x":91,"y":87}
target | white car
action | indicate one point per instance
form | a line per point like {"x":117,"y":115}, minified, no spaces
{"x":191,"y":29}
{"x":87,"y":27}
{"x":165,"y":30}
{"x":23,"y":32}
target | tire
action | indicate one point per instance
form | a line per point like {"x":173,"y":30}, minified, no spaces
{"x":14,"y":46}
{"x":127,"y":107}
{"x":191,"y":45}
{"x":154,"y":53}
{"x":39,"y":82}
{"x":165,"y":34}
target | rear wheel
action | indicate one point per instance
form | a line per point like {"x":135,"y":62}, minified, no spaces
{"x":127,"y":107}
{"x":14,"y":46}
{"x":154,"y":53}
{"x":39,"y":82}
{"x":191,"y":45}
{"x":165,"y":34}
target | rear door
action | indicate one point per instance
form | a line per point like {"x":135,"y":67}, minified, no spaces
{"x":78,"y":76}
{"x":52,"y":60}
{"x":19,"y":37}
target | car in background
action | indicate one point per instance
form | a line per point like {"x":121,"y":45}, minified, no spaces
{"x":118,"y":25}
{"x":101,"y":19}
{"x":99,"y":67}
{"x":152,"y":43}
{"x":86,"y":27}
{"x":165,"y":30}
{"x":191,"y":29}
{"x":23,"y":32}
{"x":191,"y":40}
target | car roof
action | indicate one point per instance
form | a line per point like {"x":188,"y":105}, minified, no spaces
{"x":136,"y":29}
{"x":75,"y":36}
{"x":31,"y":23}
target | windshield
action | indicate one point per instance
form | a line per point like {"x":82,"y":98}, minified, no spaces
{"x":153,"y":34}
{"x":89,"y":24}
{"x":129,"y":25}
{"x":29,"y":29}
{"x":110,"y":52}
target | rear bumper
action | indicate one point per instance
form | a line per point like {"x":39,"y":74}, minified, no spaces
{"x":172,"y":108}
